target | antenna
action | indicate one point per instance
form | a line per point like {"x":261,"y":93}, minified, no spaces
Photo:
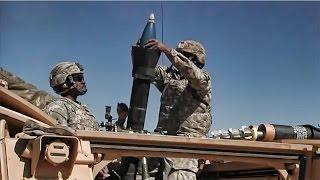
{"x":161,"y":29}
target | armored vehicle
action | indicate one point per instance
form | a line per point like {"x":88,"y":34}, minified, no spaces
{"x":48,"y":152}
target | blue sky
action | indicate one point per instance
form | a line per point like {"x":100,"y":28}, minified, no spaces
{"x":264,"y":57}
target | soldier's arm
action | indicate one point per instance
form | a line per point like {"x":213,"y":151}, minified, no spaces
{"x":161,"y":73}
{"x":198,"y":78}
{"x":57,"y":112}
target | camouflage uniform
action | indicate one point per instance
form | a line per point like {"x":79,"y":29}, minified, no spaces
{"x":72,"y":114}
{"x":185,"y":107}
{"x":66,"y":111}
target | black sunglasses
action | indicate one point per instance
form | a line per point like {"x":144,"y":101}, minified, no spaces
{"x":78,"y":77}
{"x":187,"y":54}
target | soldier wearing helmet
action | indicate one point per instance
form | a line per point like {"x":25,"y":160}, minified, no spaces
{"x":185,"y":100}
{"x":62,"y":78}
{"x":67,"y":80}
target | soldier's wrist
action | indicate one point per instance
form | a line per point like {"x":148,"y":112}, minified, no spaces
{"x":173,"y":52}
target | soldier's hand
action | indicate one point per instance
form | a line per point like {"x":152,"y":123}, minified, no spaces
{"x":155,"y":44}
{"x":152,"y":44}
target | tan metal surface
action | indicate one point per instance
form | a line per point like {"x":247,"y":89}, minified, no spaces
{"x":3,"y":129}
{"x":17,"y":167}
{"x":123,"y":144}
{"x":84,"y":153}
{"x":81,"y":172}
{"x":12,"y":101}
{"x":97,"y":168}
{"x":272,"y":162}
{"x":17,"y":119}
{"x":3,"y":153}
{"x":203,"y":143}
{"x":314,"y":142}
{"x":40,"y":165}
{"x":22,"y":168}
{"x":271,"y":154}
{"x":113,"y":145}
{"x":57,"y":152}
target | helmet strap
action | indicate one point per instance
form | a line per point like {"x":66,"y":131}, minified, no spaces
{"x":66,"y":87}
{"x":70,"y":82}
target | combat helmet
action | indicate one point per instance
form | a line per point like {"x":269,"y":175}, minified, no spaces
{"x":193,"y":47}
{"x":62,"y":71}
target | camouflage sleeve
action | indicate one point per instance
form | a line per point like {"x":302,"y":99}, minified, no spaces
{"x":161,"y":73}
{"x":198,"y":78}
{"x":58,"y":111}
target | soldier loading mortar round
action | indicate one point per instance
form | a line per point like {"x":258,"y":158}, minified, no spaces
{"x":72,"y":157}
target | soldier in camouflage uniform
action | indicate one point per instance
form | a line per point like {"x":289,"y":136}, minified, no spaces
{"x":185,"y":101}
{"x":67,"y":80}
